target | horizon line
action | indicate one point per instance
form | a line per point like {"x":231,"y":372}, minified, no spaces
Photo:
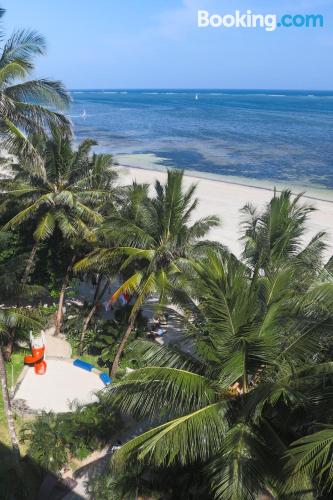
{"x":205,"y":88}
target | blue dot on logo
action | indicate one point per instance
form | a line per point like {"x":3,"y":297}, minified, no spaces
{"x":279,"y":25}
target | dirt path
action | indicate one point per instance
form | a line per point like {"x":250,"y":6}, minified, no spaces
{"x":56,"y":347}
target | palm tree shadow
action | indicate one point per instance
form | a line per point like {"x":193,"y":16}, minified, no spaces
{"x":28,"y":481}
{"x":94,"y":468}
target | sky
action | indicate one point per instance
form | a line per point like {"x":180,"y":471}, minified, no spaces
{"x":157,"y":44}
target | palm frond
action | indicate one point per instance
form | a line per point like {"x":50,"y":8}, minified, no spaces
{"x":27,"y":212}
{"x":311,"y":458}
{"x":153,"y":391}
{"x":192,"y":437}
{"x":242,"y":468}
{"x":22,"y":45}
{"x":45,"y":227}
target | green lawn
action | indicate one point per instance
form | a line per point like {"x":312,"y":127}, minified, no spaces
{"x":93,"y":360}
{"x":14,"y":368}
{"x":7,"y":465}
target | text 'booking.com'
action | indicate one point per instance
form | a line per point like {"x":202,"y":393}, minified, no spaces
{"x":268,"y":22}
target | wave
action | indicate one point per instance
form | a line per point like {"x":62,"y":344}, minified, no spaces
{"x":243,"y":95}
{"x":167,"y":93}
{"x":262,"y":95}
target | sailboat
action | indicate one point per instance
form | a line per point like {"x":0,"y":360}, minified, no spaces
{"x":84,"y":114}
{"x":196,"y":97}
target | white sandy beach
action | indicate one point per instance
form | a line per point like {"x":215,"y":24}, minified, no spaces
{"x":225,"y":199}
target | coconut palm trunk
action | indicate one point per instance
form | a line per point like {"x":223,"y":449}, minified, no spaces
{"x":8,"y":409}
{"x":92,"y":311}
{"x":9,"y":347}
{"x":59,"y":314}
{"x":30,"y":263}
{"x":98,"y":287}
{"x":122,"y":345}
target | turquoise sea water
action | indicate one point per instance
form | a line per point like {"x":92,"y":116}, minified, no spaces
{"x":279,"y":136}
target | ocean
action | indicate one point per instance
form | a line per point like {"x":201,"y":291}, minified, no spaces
{"x":276,"y":136}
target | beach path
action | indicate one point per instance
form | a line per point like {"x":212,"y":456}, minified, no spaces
{"x":56,"y":347}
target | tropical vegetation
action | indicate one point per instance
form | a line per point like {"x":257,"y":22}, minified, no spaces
{"x":25,"y":104}
{"x":235,"y":400}
{"x":156,"y":236}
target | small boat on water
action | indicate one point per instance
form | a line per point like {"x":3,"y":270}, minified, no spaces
{"x":196,"y":97}
{"x":84,"y":114}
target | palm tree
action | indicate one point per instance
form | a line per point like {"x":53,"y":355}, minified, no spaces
{"x":100,"y":290}
{"x":155,"y":238}
{"x":235,"y":405}
{"x":25,"y":103}
{"x":133,"y":200}
{"x":277,"y":234}
{"x":47,"y":437}
{"x":12,"y":290}
{"x":66,"y":200}
{"x":11,"y":319}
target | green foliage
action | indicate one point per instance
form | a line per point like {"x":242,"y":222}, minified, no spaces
{"x":311,"y":456}
{"x":26,"y":103}
{"x":154,"y":239}
{"x":49,"y":437}
{"x":252,"y":384}
{"x":173,"y":483}
{"x":103,"y":337}
{"x":275,"y":235}
{"x":47,"y":311}
{"x":54,"y":439}
{"x":16,"y":323}
{"x":65,"y":198}
{"x":13,"y":368}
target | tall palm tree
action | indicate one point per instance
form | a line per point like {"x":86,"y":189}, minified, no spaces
{"x":155,"y":239}
{"x":24,"y":103}
{"x":133,"y":199}
{"x":11,"y":319}
{"x":66,"y":199}
{"x":235,"y":405}
{"x":276,"y":234}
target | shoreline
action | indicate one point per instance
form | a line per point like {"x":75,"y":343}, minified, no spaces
{"x":226,"y":198}
{"x":315,"y":193}
{"x":224,"y":180}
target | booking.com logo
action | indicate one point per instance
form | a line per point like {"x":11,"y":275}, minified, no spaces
{"x":270,"y":22}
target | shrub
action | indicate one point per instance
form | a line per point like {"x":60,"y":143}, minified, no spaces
{"x":54,"y":439}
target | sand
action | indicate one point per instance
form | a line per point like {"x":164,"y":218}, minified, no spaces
{"x":225,"y":199}
{"x":62,"y":384}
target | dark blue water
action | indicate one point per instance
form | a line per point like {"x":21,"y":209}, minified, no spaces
{"x":279,"y":135}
